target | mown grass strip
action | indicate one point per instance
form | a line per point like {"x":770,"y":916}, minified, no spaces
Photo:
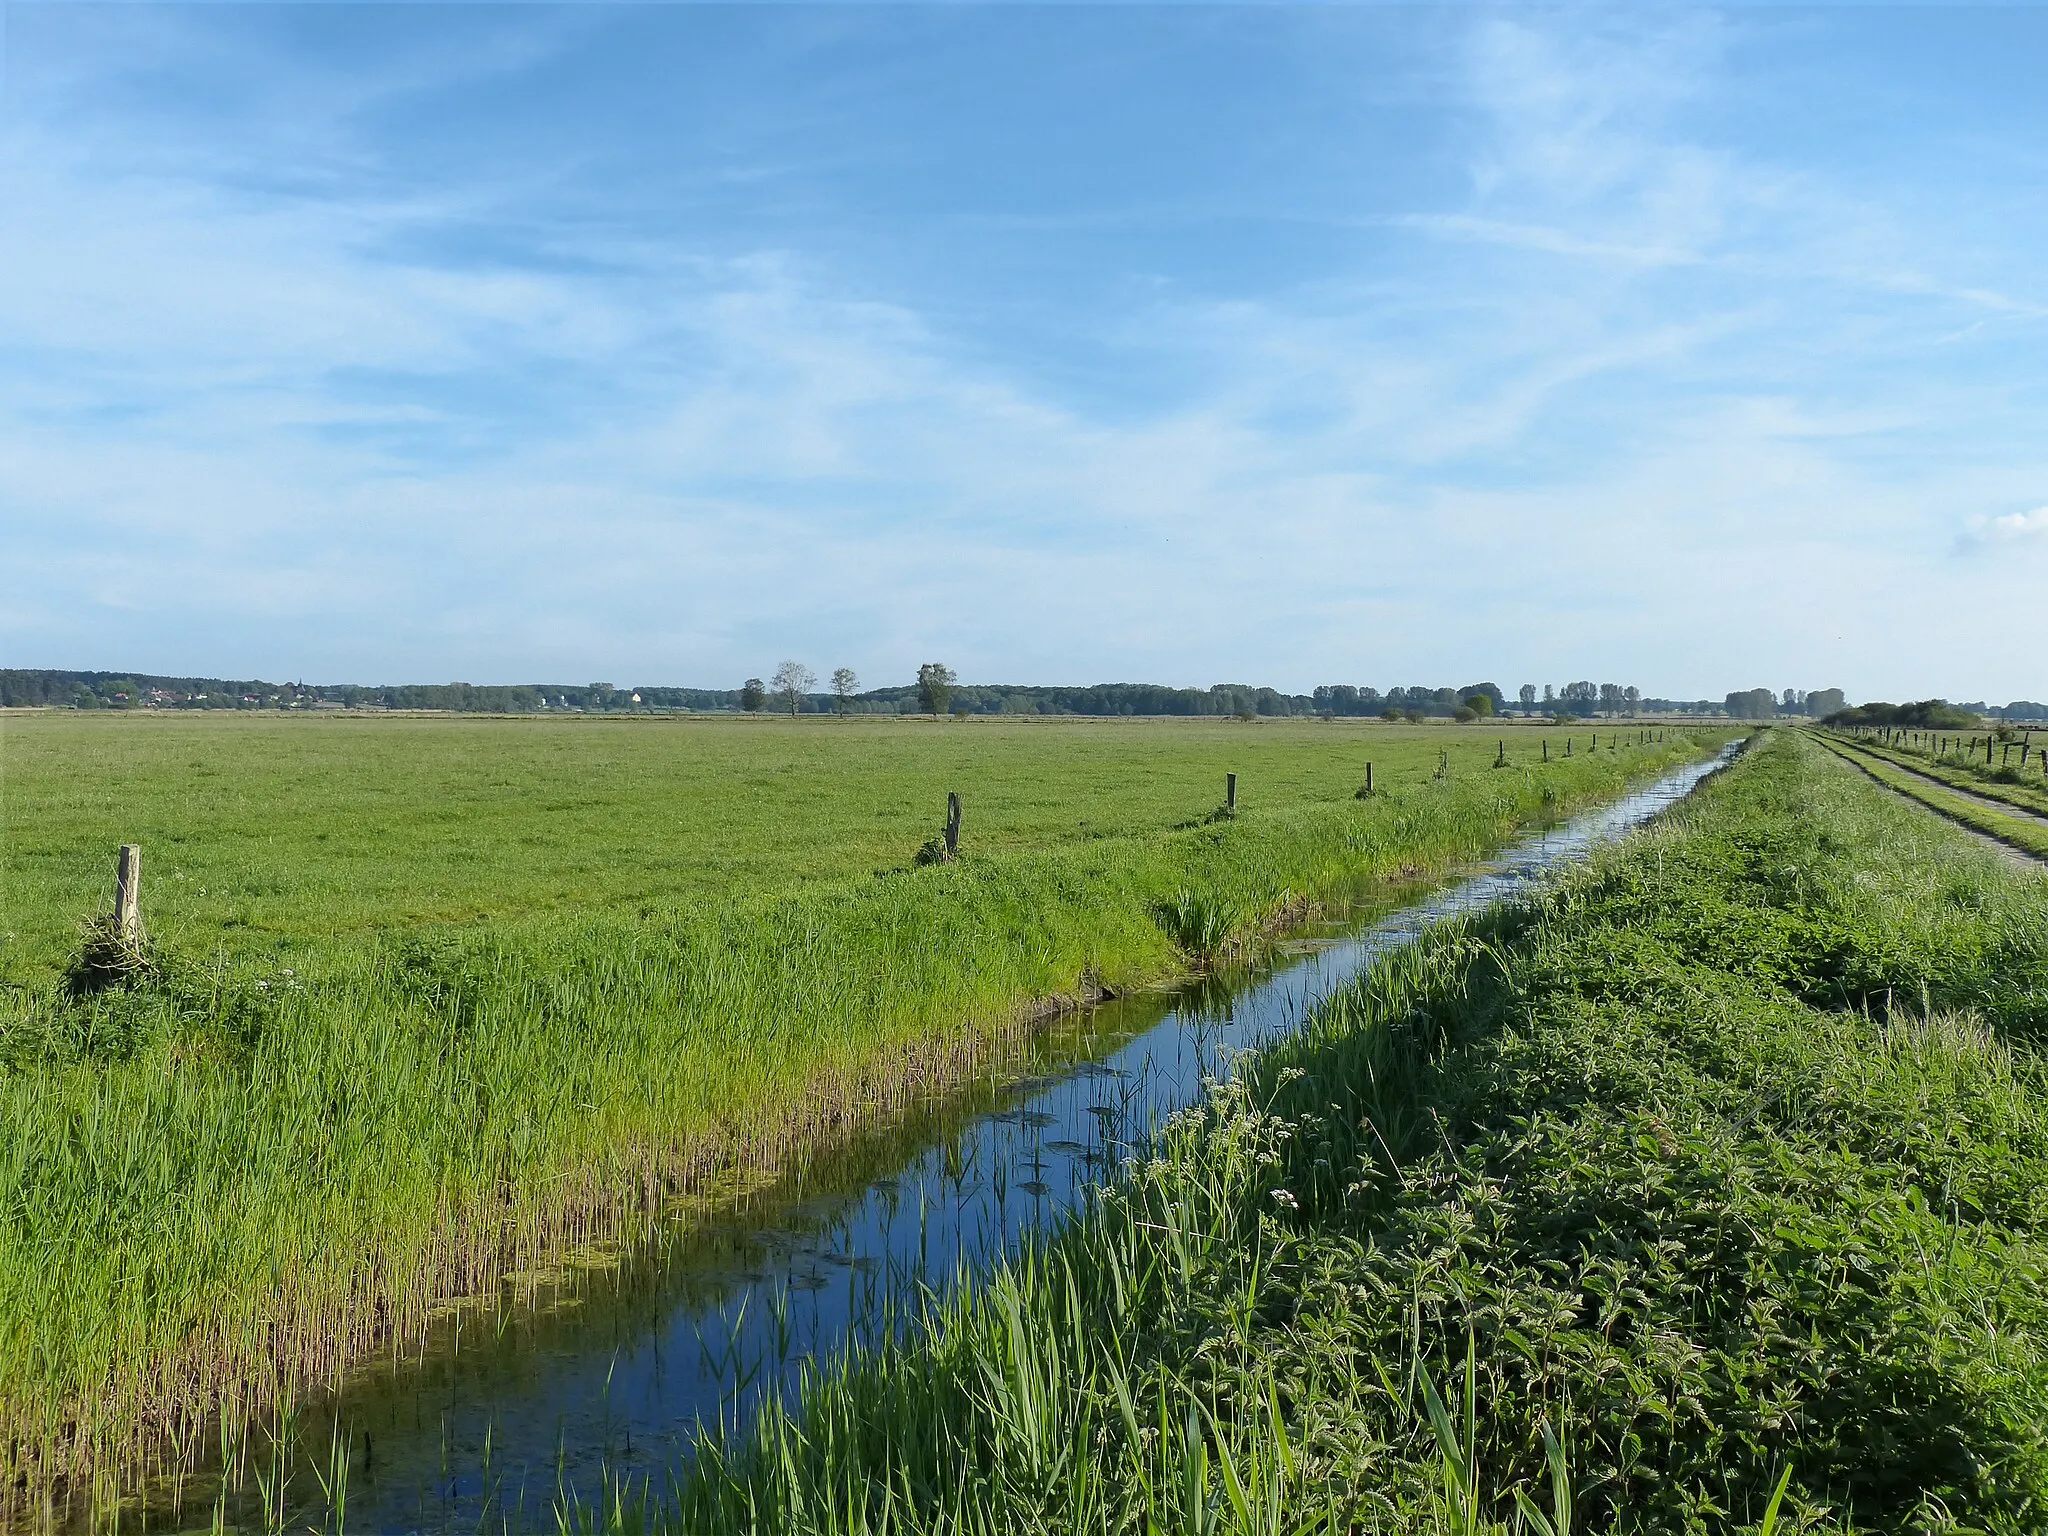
{"x":2005,"y":784}
{"x":2027,"y":835}
{"x":249,"y":1178}
{"x":1711,"y":1193}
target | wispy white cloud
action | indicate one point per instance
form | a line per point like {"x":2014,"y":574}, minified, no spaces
{"x":312,"y":409}
{"x":2008,"y":528}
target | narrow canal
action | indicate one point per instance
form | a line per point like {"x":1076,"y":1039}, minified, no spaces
{"x":607,"y":1374}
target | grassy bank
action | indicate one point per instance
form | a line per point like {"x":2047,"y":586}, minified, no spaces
{"x":441,"y":998}
{"x":1720,"y":1172}
{"x":2025,"y":833}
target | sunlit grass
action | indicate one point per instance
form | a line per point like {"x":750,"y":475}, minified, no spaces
{"x":1703,"y":1195}
{"x":2021,"y":782}
{"x":2021,"y":831}
{"x":439,"y":998}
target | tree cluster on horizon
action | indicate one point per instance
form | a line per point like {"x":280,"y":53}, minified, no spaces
{"x":936,"y":685}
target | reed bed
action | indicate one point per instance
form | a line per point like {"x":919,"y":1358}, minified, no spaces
{"x":1706,"y":1193}
{"x":340,"y":1103}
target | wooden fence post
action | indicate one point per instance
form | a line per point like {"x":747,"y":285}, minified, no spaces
{"x":952,"y":825}
{"x":1368,"y":778}
{"x":128,"y":894}
{"x":1546,"y":749}
{"x":1230,"y":793}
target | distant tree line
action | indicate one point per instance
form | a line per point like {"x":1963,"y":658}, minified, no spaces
{"x":1925,"y":715}
{"x":23,"y":688}
{"x":29,"y":688}
{"x":935,"y":691}
{"x":1762,"y":704}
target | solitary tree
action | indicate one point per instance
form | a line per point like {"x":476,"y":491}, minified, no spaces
{"x":935,"y":683}
{"x":844,"y":686}
{"x":792,"y":681}
{"x":752,"y":694}
{"x":1528,"y":693}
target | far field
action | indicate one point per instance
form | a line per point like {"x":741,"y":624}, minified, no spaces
{"x":295,"y":835}
{"x":436,"y":997}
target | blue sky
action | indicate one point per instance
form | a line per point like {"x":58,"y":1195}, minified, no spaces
{"x":1695,"y":349}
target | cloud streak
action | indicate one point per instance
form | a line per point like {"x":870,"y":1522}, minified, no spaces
{"x":377,"y":397}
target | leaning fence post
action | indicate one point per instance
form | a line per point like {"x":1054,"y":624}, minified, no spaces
{"x":952,"y":824}
{"x":1230,"y":793}
{"x":128,"y":894}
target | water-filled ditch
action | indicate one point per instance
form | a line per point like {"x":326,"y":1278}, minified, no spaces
{"x":607,"y":1374}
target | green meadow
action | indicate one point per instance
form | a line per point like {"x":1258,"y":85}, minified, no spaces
{"x":432,"y":999}
{"x":1706,"y":1192}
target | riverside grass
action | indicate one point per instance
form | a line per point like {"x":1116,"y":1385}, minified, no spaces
{"x":1707,"y":1193}
{"x":441,"y":1000}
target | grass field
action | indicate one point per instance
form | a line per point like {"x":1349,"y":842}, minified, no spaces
{"x":438,"y":997}
{"x":1708,"y":1194}
{"x":291,"y":837}
{"x":2024,"y":832}
{"x":2024,"y":786}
